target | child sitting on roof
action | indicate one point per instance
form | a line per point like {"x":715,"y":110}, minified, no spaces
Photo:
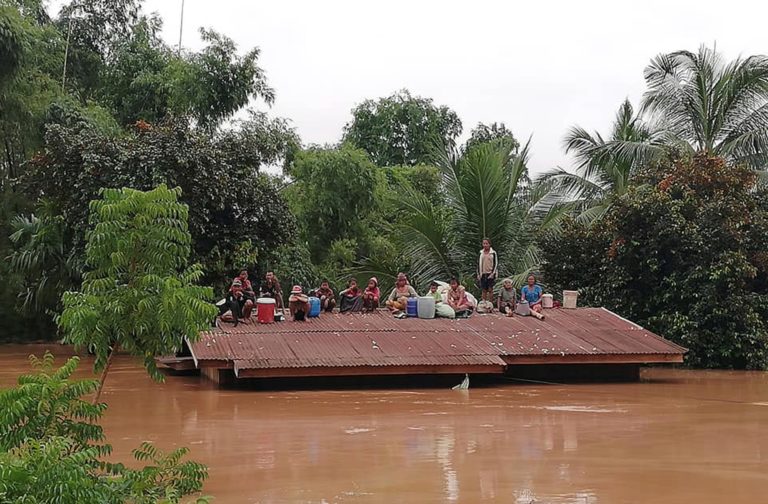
{"x":371,"y":295}
{"x":351,"y":298}
{"x":457,"y":299}
{"x":298,"y":303}
{"x":441,"y":309}
{"x":326,"y":296}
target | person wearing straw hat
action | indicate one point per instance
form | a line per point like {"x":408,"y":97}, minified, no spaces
{"x":298,"y":303}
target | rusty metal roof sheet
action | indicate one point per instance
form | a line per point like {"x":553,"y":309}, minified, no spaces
{"x":378,"y":339}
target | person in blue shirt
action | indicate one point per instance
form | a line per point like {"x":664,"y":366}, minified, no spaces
{"x":532,"y":293}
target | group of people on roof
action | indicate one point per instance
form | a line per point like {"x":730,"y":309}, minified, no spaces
{"x":451,"y":300}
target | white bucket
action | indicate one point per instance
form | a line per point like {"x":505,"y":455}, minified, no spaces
{"x":569,"y":299}
{"x":425,"y":307}
{"x":523,"y":309}
{"x":547,"y":301}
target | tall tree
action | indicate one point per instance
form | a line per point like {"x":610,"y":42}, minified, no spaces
{"x":494,"y":132}
{"x":139,"y":294}
{"x":401,"y":129}
{"x":333,"y":196}
{"x":486,"y":197}
{"x":710,"y":106}
{"x":605,"y":165}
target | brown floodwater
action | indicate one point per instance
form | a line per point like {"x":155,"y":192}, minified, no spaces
{"x":678,"y":436}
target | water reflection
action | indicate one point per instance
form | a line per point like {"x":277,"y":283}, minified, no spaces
{"x":683,"y":437}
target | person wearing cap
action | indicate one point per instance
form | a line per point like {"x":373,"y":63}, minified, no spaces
{"x":239,"y":305}
{"x":298,"y":303}
{"x":371,"y":295}
{"x":351,"y":298}
{"x":326,"y":296}
{"x":398,"y":298}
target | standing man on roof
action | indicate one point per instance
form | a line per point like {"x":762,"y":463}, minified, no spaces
{"x":487,"y":270}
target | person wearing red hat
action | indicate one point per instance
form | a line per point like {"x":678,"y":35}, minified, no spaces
{"x":371,"y":295}
{"x":298,"y":303}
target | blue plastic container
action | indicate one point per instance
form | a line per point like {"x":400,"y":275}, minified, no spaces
{"x":412,"y":307}
{"x":314,"y":307}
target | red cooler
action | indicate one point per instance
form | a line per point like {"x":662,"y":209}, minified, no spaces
{"x":265,"y":310}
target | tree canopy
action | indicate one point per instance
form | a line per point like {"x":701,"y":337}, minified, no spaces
{"x":401,"y":129}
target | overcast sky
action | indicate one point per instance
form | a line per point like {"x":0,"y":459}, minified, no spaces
{"x":538,"y":66}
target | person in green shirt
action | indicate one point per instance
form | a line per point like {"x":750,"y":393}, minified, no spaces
{"x":441,"y":309}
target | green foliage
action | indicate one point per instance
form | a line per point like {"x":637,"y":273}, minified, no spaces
{"x":11,"y":43}
{"x":48,"y":404}
{"x":604,"y":166}
{"x":486,"y":196}
{"x":235,"y":213}
{"x":707,"y":105}
{"x":333,"y":196}
{"x":423,"y":179}
{"x":53,"y":448}
{"x":494,"y":132}
{"x":138,"y":293}
{"x":43,"y":259}
{"x":401,"y":129}
{"x":682,"y":253}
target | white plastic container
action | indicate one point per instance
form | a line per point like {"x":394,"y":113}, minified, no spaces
{"x":425,"y":307}
{"x":547,"y":301}
{"x":569,"y":299}
{"x":522,"y":308}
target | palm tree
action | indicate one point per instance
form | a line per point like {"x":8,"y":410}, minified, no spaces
{"x":485,"y":196}
{"x":706,"y":105}
{"x":604,"y":166}
{"x":43,"y":258}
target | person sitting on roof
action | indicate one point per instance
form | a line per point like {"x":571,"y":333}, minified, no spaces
{"x":271,"y":289}
{"x":441,"y":309}
{"x":298,"y":303}
{"x":326,"y":296}
{"x":351,"y":298}
{"x":398,"y":298}
{"x":240,"y":306}
{"x":532,"y":293}
{"x":507,"y":298}
{"x":457,"y":299}
{"x":371,"y":295}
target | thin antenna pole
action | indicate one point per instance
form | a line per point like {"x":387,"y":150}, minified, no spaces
{"x":181,"y":24}
{"x":66,"y":53}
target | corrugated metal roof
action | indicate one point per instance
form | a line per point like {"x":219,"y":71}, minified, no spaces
{"x":378,"y":339}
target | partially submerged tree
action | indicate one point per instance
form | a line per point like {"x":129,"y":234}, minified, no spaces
{"x":138,"y":295}
{"x":53,"y":447}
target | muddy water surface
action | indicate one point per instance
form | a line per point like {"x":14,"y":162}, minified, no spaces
{"x":676,"y":437}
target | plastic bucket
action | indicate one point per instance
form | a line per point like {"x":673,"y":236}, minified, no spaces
{"x":314,"y":307}
{"x":547,"y":301}
{"x":426,"y":307}
{"x":411,"y":307}
{"x":569,"y":299}
{"x":265,"y":310}
{"x":522,"y":308}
